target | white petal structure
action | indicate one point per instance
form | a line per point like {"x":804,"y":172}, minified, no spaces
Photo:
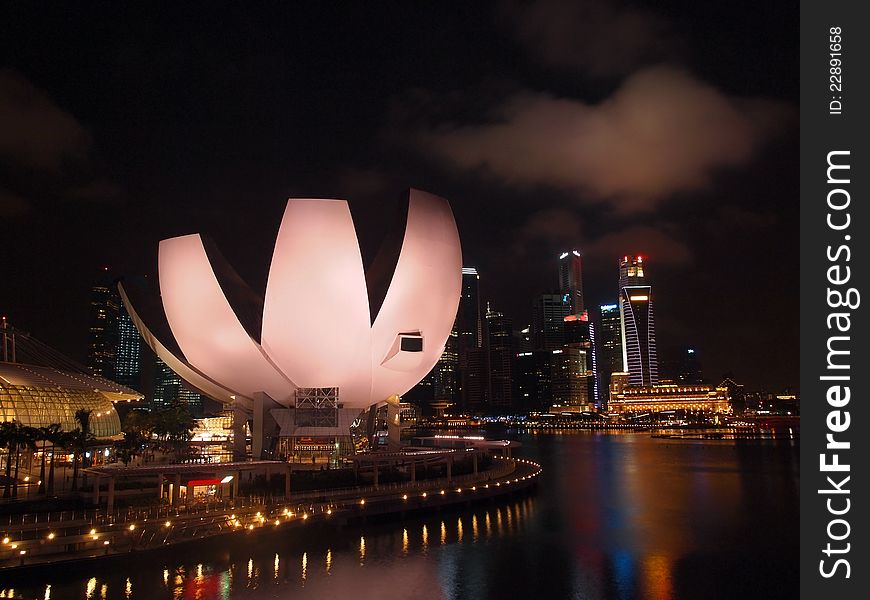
{"x":318,"y":329}
{"x":316,"y":322}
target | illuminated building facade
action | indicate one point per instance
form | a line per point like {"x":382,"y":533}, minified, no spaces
{"x":548,"y":321}
{"x":533,"y":380}
{"x":128,"y":357}
{"x":103,"y":330}
{"x":38,"y":396}
{"x":638,"y":323}
{"x":667,"y":397}
{"x":324,"y":322}
{"x":502,"y":355}
{"x":471,"y":355}
{"x":569,"y":381}
{"x":571,"y":280}
{"x":609,"y":347}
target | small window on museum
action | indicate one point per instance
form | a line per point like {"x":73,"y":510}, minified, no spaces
{"x":411,"y":344}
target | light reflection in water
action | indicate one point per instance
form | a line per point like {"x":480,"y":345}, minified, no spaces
{"x":104,"y":590}
{"x":632,"y":508}
{"x":47,"y":595}
{"x":658,"y":581}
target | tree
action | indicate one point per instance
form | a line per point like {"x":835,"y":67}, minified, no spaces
{"x":79,"y":440}
{"x":45,"y":434}
{"x":173,"y":426}
{"x":27,"y":437}
{"x":57,"y":438}
{"x":15,"y":437}
{"x":138,"y":428}
{"x":7,"y":441}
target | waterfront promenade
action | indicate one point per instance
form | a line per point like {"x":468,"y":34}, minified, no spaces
{"x":39,"y":539}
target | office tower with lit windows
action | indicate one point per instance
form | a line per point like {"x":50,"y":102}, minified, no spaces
{"x":170,"y":388}
{"x":609,"y":347}
{"x":128,"y":359}
{"x":446,"y":377}
{"x":569,"y":380}
{"x":548,"y":321}
{"x":638,"y":323}
{"x":469,"y":321}
{"x":533,"y":385}
{"x":471,"y":355}
{"x":103,"y":330}
{"x":502,"y":350}
{"x":571,"y":280}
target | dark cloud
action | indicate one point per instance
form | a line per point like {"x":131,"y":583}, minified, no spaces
{"x":645,"y":240}
{"x":561,"y":229}
{"x":662,"y":132}
{"x":34,"y":132}
{"x":590,"y":36}
{"x":46,"y":155}
{"x":11,"y":204}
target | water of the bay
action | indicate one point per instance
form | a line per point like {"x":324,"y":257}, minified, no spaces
{"x":615,"y":516}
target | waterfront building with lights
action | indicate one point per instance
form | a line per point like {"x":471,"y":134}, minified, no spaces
{"x":666,"y":397}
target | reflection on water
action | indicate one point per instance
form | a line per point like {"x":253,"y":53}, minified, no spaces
{"x":615,"y":517}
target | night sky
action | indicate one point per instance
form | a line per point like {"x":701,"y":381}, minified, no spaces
{"x":667,"y":129}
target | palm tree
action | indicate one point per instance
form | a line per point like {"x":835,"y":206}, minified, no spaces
{"x":79,"y":439}
{"x":7,"y":441}
{"x":58,"y":441}
{"x":25,"y":440}
{"x":46,"y":434}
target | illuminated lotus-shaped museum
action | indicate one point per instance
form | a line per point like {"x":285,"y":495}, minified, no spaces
{"x":330,"y":338}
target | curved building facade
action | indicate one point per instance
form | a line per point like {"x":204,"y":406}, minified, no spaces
{"x":325,"y":322}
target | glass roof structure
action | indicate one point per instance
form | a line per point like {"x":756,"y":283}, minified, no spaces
{"x":39,"y":396}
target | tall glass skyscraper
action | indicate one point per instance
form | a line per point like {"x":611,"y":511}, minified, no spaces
{"x":502,"y":355}
{"x":638,"y":324}
{"x":128,"y":362}
{"x":103,"y":330}
{"x":548,"y":321}
{"x":571,"y":280}
{"x":470,"y":344}
{"x":609,"y":345}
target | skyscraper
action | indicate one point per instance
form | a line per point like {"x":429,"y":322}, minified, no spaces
{"x":568,"y":378}
{"x":169,"y":388}
{"x":548,"y":321}
{"x":502,"y":355}
{"x":469,"y":324}
{"x":103,"y":330}
{"x":128,"y":361}
{"x":580,"y":334}
{"x":609,"y":345}
{"x":571,"y":280}
{"x":638,"y":324}
{"x":471,"y":354}
{"x":533,"y":385}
